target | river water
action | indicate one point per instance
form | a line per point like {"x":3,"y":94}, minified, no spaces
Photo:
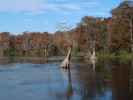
{"x":31,"y":81}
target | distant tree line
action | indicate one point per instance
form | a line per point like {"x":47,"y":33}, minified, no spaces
{"x":111,"y":34}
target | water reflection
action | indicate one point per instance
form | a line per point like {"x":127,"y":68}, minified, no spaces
{"x":95,"y":81}
{"x":131,"y":81}
{"x":92,"y":85}
{"x":121,"y":81}
{"x":34,"y":60}
{"x":69,"y":89}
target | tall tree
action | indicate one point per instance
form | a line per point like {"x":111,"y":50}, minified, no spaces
{"x":122,"y":19}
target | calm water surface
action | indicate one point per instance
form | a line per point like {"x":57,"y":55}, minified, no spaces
{"x":28,"y":81}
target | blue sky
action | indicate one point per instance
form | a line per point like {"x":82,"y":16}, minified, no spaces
{"x":17,"y":16}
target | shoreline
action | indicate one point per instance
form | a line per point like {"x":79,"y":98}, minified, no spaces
{"x":36,"y":59}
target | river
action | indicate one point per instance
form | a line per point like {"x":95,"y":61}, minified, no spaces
{"x":47,"y":81}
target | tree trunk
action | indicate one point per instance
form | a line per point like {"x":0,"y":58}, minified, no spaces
{"x":131,"y":34}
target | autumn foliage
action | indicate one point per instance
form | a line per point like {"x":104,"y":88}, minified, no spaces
{"x":106,"y":34}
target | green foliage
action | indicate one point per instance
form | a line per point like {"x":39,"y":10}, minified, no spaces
{"x":76,"y":51}
{"x":106,"y":56}
{"x":125,"y":56}
{"x":10,"y":52}
{"x":122,"y":56}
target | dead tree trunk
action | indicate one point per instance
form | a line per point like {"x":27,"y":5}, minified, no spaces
{"x":66,"y":62}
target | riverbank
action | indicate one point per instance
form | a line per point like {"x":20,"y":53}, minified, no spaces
{"x":5,"y":60}
{"x":122,"y":56}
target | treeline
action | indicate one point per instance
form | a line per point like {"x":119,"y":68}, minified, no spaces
{"x":113,"y":34}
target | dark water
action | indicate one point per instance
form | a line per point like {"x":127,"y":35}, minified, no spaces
{"x":27,"y":81}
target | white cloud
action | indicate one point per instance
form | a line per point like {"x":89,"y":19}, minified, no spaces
{"x":41,"y":6}
{"x":62,"y":7}
{"x":21,"y":5}
{"x":70,"y":6}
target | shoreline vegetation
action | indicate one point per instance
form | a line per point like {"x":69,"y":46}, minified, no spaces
{"x":121,"y":56}
{"x":43,"y":59}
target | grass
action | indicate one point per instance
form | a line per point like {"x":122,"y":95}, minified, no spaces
{"x":121,"y":56}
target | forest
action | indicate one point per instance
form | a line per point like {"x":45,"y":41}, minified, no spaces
{"x":110,"y":36}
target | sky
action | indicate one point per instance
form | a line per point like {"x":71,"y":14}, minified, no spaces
{"x":17,"y":16}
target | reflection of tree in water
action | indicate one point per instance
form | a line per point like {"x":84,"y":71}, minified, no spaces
{"x":131,"y":80}
{"x":91,"y":82}
{"x":69,"y":91}
{"x":120,"y":81}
